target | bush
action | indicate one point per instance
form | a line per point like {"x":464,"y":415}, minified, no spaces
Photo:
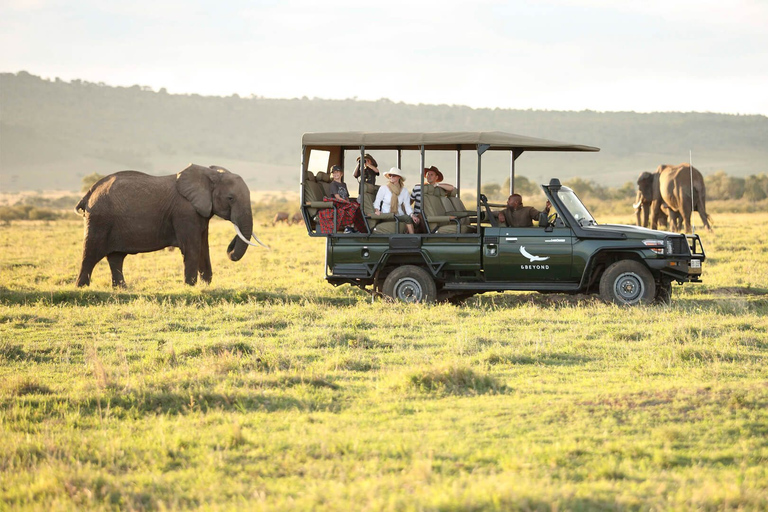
{"x":26,"y":212}
{"x":89,"y":180}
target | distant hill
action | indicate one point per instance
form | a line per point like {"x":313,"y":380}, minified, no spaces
{"x":52,"y":133}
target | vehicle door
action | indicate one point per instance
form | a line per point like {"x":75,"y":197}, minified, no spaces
{"x":528,"y":254}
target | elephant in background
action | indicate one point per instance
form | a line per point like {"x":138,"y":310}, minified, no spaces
{"x":129,"y":212}
{"x":671,"y":186}
{"x":667,"y":217}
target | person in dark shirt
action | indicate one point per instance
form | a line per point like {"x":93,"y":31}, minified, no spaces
{"x":338,"y":188}
{"x":518,"y":216}
{"x":371,"y":169}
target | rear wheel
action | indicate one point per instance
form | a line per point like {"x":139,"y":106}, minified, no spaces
{"x":627,"y":282}
{"x":410,"y":284}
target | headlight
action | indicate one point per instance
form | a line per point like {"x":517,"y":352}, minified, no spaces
{"x":656,"y":246}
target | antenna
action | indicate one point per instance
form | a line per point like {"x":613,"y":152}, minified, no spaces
{"x":690,"y":168}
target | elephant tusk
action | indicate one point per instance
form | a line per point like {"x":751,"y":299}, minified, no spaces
{"x":637,"y":205}
{"x":242,"y":237}
{"x":260,"y":242}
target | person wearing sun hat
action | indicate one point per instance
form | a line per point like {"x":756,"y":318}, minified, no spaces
{"x":371,"y":169}
{"x":393,"y":197}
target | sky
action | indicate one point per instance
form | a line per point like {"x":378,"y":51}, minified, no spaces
{"x":602,"y":55}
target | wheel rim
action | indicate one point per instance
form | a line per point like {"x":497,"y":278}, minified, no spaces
{"x":409,"y":290}
{"x":629,"y":287}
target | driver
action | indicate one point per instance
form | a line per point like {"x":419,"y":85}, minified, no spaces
{"x":515,"y":215}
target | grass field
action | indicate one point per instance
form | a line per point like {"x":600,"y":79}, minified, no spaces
{"x":270,"y":389}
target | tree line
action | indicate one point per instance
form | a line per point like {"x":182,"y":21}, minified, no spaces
{"x":55,"y":132}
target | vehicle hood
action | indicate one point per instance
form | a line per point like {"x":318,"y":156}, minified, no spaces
{"x":632,"y":231}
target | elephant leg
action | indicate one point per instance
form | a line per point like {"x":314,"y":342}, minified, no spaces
{"x":655,"y":214}
{"x":191,"y":251}
{"x":205,"y":269}
{"x":115,"y":260}
{"x":191,"y":266}
{"x":92,"y":254}
{"x":687,"y":216}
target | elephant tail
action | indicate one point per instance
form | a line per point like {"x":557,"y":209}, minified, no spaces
{"x":82,"y":206}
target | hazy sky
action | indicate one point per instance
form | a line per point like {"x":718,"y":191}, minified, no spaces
{"x":650,"y":55}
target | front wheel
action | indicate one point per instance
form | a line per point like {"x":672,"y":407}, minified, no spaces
{"x":627,"y":282}
{"x":410,"y":284}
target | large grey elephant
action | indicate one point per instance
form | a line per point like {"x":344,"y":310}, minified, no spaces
{"x":129,"y":212}
{"x":667,"y":216}
{"x":671,"y":185}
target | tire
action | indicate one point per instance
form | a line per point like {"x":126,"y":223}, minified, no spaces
{"x":627,"y":282}
{"x":410,"y":284}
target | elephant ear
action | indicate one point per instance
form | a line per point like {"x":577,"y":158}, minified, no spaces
{"x":196,"y":184}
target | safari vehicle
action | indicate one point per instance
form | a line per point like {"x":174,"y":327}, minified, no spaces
{"x":466,"y":251}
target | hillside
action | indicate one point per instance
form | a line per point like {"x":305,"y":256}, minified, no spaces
{"x":52,"y":133}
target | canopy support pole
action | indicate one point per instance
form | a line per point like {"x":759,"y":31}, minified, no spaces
{"x":458,"y":171}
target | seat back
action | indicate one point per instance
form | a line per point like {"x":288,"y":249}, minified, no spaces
{"x":432,"y":205}
{"x":313,"y":191}
{"x":384,"y":223}
{"x":457,"y":205}
{"x":437,"y":203}
{"x":324,"y":179}
{"x":369,"y":194}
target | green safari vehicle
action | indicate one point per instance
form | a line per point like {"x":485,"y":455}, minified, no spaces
{"x":465,"y":251}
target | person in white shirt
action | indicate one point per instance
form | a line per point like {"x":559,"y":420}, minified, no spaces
{"x":394,"y":197}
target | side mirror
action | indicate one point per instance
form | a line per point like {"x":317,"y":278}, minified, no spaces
{"x":543,"y":221}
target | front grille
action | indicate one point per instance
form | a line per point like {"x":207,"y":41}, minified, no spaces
{"x":491,"y":240}
{"x":678,"y":244}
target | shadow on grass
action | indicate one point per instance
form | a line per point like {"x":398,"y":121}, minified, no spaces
{"x":738,"y":290}
{"x":718,"y":301}
{"x":15,"y":352}
{"x":195,"y":296}
{"x":555,"y":359}
{"x":116,"y":405}
{"x":205,"y":296}
{"x":548,"y":300}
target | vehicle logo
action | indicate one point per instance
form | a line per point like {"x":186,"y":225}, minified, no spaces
{"x":532,"y":257}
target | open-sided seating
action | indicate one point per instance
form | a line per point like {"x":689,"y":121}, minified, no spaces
{"x":313,"y":197}
{"x":324,"y":180}
{"x":434,"y":201}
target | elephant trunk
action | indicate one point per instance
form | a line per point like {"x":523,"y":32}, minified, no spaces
{"x":237,"y":247}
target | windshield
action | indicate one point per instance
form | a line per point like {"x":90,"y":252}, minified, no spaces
{"x":576,"y":207}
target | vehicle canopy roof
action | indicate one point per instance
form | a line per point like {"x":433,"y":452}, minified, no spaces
{"x":436,"y":141}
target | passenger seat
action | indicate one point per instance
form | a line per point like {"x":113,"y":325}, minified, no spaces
{"x":313,"y":197}
{"x":379,"y":224}
{"x":454,"y":206}
{"x":324,"y":179}
{"x":437,"y":216}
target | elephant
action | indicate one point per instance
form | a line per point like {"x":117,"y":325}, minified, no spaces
{"x":671,"y":185}
{"x":130,"y":212}
{"x":667,"y":216}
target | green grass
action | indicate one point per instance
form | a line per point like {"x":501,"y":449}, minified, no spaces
{"x":270,"y":389}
